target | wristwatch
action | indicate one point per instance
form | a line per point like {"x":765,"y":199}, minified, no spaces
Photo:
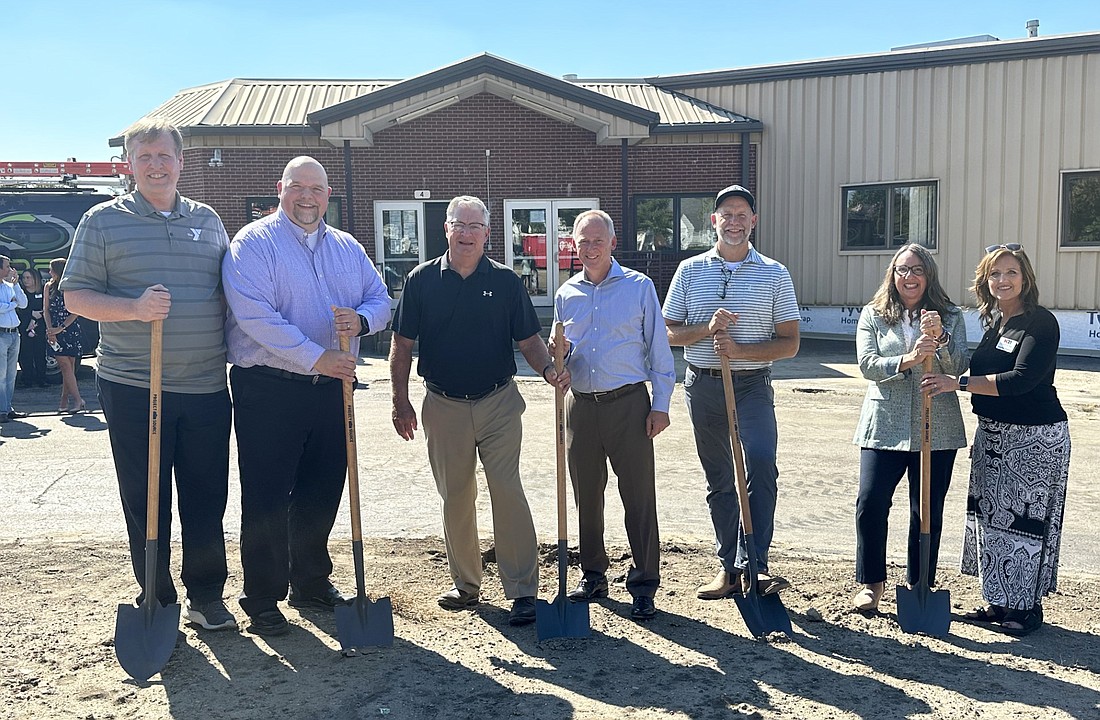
{"x":964,"y":380}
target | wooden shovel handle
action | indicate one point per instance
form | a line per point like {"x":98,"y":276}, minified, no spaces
{"x":156,"y":365}
{"x":926,"y":456}
{"x":559,"y":420}
{"x":353,"y":456}
{"x":735,"y":441}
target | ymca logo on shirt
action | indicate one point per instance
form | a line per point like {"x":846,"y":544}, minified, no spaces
{"x":195,"y":232}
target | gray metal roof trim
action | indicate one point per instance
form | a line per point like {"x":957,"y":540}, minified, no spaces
{"x":192,"y":130}
{"x":894,"y":60}
{"x":735,"y":126}
{"x":474,"y":66}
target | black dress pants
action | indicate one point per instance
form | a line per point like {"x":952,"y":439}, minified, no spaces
{"x":292,"y":460}
{"x":195,"y":445}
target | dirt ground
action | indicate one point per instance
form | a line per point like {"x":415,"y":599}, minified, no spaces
{"x":61,"y":582}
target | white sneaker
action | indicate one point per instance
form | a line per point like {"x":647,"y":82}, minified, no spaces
{"x":211,"y":616}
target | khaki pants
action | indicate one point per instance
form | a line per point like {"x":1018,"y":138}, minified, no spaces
{"x":458,"y":432}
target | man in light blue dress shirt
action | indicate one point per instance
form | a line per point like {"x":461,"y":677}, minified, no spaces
{"x":11,"y":297}
{"x":616,"y":339}
{"x":294,"y":286}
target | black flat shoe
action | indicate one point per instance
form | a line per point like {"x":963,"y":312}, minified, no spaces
{"x":269,"y":622}
{"x":589,"y":589}
{"x":643,"y":608}
{"x":326,"y":600}
{"x":523,"y":611}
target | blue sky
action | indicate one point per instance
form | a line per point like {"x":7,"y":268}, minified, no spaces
{"x":79,"y":72}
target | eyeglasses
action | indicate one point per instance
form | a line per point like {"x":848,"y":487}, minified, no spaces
{"x":459,"y":227}
{"x":1007,"y":246}
{"x":906,"y":271}
{"x":727,"y":275}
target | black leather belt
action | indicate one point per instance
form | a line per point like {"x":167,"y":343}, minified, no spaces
{"x":469,"y":396}
{"x":609,"y":395}
{"x":11,"y":330}
{"x":717,"y":372}
{"x":287,"y":375}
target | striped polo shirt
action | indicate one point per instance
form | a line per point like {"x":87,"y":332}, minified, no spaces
{"x":122,"y":247}
{"x":759,"y":290}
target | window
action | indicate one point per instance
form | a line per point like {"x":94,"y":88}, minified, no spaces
{"x":673,"y":222}
{"x":884,"y":217}
{"x":1081,"y":209}
{"x":257,"y":207}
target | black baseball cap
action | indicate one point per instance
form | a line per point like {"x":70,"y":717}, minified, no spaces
{"x":736,"y":191}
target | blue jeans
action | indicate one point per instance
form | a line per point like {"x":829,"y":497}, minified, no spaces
{"x":9,"y":354}
{"x":706,"y":404}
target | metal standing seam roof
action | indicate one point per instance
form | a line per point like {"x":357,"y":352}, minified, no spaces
{"x":674,"y":108}
{"x":246,"y":103}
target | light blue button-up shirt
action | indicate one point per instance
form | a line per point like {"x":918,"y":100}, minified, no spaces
{"x":280,"y":293}
{"x":617,"y":332}
{"x":11,"y":297}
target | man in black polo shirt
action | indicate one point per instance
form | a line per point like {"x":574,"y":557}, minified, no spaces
{"x":466,"y":310}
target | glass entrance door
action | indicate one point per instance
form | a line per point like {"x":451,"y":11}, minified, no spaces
{"x":398,"y":246}
{"x":533,"y":226}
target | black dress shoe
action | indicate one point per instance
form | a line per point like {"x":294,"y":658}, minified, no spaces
{"x":643,"y":608}
{"x":326,"y":600}
{"x":269,"y":622}
{"x":589,"y":589}
{"x":523,"y":611}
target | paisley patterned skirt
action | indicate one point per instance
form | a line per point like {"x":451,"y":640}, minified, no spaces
{"x":1014,"y":508}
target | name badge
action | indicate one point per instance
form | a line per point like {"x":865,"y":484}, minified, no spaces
{"x":1007,"y":344}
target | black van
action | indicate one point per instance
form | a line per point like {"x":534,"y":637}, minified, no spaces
{"x":37,"y":225}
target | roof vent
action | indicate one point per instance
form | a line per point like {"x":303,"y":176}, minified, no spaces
{"x":1032,"y":28}
{"x":572,"y":77}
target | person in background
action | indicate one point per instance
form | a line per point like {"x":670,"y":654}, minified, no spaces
{"x":910,"y":318}
{"x":12,"y":298}
{"x":32,"y":331}
{"x":1020,"y":458}
{"x":64,"y":339}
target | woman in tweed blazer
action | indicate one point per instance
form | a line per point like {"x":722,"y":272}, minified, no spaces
{"x":909,"y":318}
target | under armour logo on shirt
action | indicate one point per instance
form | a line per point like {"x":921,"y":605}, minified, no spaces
{"x":195,"y":232}
{"x":486,"y":293}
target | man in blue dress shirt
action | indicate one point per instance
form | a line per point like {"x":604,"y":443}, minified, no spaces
{"x":616,"y":341}
{"x":294,"y":287}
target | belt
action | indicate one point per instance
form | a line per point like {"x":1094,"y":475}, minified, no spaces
{"x":717,"y":372}
{"x":287,"y":375}
{"x":609,"y":395}
{"x":466,"y":396}
{"x":11,"y":330}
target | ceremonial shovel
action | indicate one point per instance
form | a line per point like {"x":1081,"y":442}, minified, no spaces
{"x":145,"y":636}
{"x":921,"y":609}
{"x":362,"y":622}
{"x":763,"y":614}
{"x":562,"y":618}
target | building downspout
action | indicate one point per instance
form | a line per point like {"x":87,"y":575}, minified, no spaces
{"x":746,"y":166}
{"x":629,"y":240}
{"x":348,"y":187}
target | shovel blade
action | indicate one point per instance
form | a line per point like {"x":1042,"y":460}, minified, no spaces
{"x":561,"y":618}
{"x":364,"y":623}
{"x":923,"y":610}
{"x":763,"y":614}
{"x":145,"y":637}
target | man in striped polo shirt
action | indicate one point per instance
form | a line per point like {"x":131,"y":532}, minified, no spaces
{"x":154,"y":255}
{"x":733,"y":301}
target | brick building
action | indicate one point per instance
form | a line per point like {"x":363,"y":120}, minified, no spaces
{"x":537,"y":149}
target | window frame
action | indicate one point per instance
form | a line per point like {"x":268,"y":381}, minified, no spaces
{"x":1068,"y":176}
{"x":677,"y":211}
{"x":891,"y":246}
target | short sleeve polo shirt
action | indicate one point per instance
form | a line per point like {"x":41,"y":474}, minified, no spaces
{"x":466,"y":326}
